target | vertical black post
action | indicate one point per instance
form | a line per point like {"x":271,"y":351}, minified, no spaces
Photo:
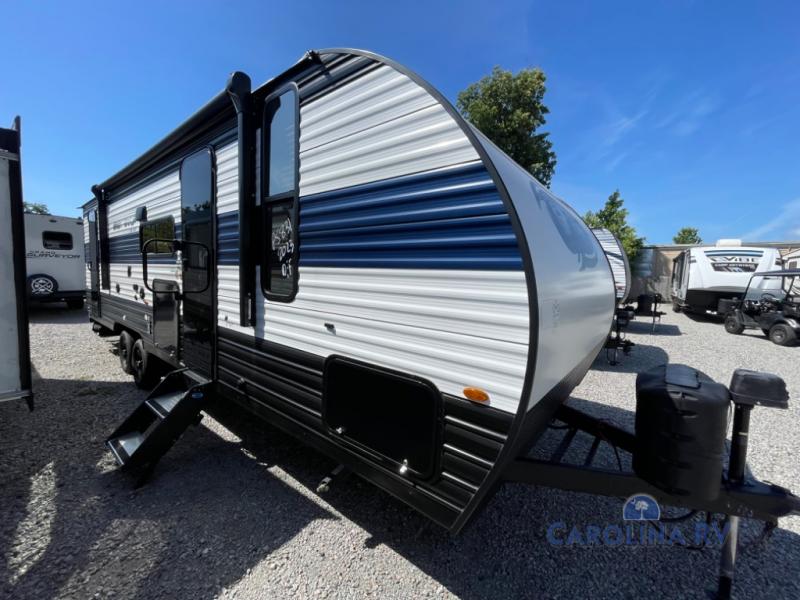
{"x":13,"y":150}
{"x":102,"y":221}
{"x":239,"y":91}
{"x":736,"y":467}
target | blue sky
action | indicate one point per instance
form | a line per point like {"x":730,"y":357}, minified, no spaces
{"x":691,"y":109}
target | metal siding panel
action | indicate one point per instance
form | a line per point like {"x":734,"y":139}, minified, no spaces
{"x":379,"y":96}
{"x":456,"y":328}
{"x":616,"y":258}
{"x":227,"y":165}
{"x":162,"y":197}
{"x":377,"y":137}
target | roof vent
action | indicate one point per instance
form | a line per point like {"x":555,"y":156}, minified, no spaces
{"x":729,"y":242}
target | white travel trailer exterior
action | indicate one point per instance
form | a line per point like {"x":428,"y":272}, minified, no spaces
{"x":54,"y":251}
{"x":341,"y":236}
{"x":15,"y":374}
{"x":704,"y":275}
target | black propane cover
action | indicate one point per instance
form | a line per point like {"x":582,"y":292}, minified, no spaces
{"x":681,"y":423}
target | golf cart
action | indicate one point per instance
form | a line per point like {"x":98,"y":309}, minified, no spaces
{"x":772,"y":308}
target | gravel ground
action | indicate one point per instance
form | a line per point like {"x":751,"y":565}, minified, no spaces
{"x":232,"y":513}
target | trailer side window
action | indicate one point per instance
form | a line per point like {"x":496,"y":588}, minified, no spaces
{"x":279,"y":195}
{"x":57,"y":240}
{"x":677,"y":270}
{"x":160,"y":229}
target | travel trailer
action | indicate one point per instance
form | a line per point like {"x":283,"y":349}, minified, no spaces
{"x":339,"y":253}
{"x":15,"y":376}
{"x":704,"y":275}
{"x":792,"y":260}
{"x":55,"y":258}
{"x":617,"y":260}
{"x":621,"y":272}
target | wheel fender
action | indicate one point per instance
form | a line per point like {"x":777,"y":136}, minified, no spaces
{"x":794,"y":324}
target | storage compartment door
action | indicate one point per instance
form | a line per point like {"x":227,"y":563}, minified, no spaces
{"x":394,"y":418}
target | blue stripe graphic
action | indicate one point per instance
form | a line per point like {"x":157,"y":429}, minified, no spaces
{"x":449,"y":219}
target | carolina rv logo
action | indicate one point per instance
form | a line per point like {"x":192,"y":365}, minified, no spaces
{"x":641,"y":526}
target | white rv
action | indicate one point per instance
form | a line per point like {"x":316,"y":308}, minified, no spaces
{"x":54,"y":253}
{"x":15,"y":374}
{"x":704,"y":275}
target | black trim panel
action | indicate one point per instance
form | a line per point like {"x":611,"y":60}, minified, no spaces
{"x":284,"y":385}
{"x":11,"y":142}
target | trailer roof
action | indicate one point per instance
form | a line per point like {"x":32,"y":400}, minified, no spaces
{"x":782,"y":273}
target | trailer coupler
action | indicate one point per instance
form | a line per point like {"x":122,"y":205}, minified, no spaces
{"x":739,"y":496}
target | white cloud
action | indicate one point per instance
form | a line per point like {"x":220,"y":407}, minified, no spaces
{"x":690,"y":113}
{"x":783,"y":223}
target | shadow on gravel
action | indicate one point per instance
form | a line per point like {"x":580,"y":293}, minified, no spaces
{"x":645,"y":327}
{"x":641,"y":358}
{"x":705,"y":317}
{"x":213,"y":510}
{"x":73,"y":526}
{"x":57,"y":312}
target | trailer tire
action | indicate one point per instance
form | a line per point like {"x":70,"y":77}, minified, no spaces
{"x":124,"y":347}
{"x":75,"y":303}
{"x":145,"y":366}
{"x":782,"y":335}
{"x":41,"y":286}
{"x":733,"y":326}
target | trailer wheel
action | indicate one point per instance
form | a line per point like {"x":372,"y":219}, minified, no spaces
{"x":124,"y":347}
{"x":732,"y":325}
{"x":782,"y":334}
{"x":145,"y":367}
{"x":41,"y":286}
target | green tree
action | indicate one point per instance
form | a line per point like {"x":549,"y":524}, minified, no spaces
{"x":615,"y":218}
{"x":509,"y":110}
{"x":36,"y":209}
{"x":688,"y":235}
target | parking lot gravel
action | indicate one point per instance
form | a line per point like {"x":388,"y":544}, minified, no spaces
{"x":232,"y":511}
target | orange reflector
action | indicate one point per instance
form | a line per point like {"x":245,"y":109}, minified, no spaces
{"x":476,"y":394}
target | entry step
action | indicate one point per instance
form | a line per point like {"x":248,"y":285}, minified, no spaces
{"x":157,"y":423}
{"x":163,"y":405}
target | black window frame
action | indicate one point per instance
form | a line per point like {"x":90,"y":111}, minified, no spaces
{"x":58,"y":233}
{"x":269,"y":201}
{"x":144,"y":224}
{"x":677,"y":270}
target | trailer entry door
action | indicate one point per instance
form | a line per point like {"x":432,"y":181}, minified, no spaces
{"x":198,"y":262}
